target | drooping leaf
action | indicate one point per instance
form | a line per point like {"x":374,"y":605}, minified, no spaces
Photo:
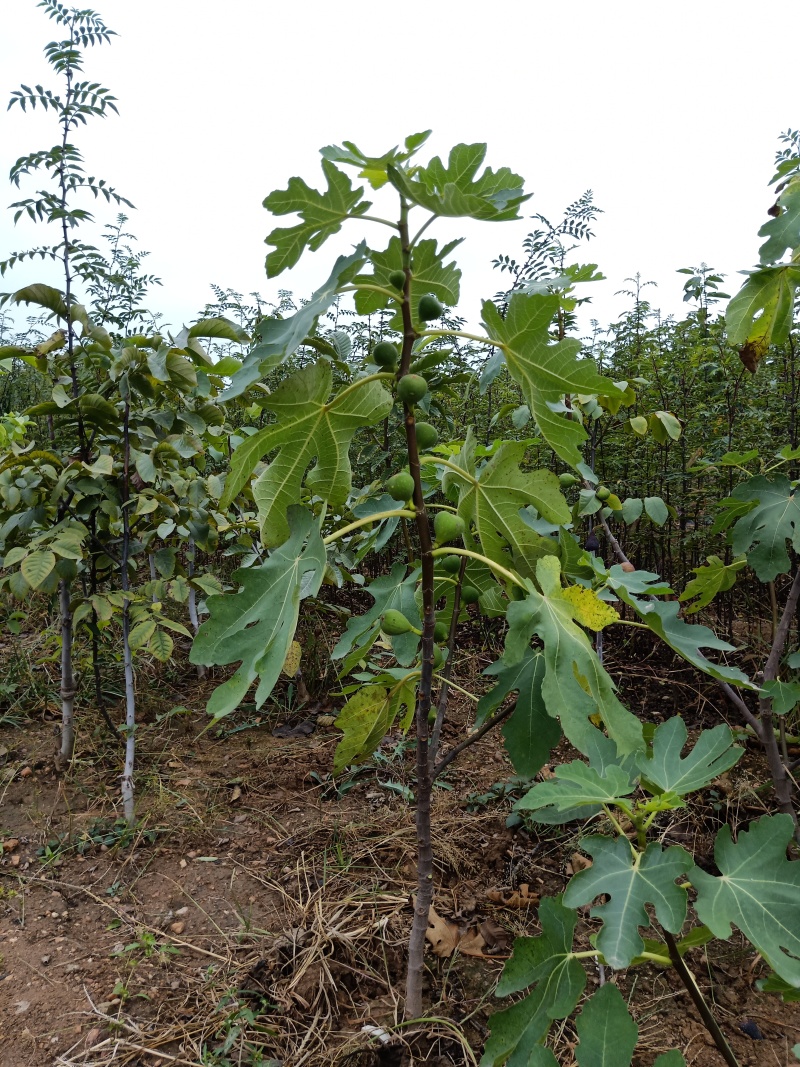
{"x":160,"y":646}
{"x":632,"y":508}
{"x":310,"y":426}
{"x":712,"y":754}
{"x":256,"y":625}
{"x":218,"y":329}
{"x":366,"y":717}
{"x":656,"y":509}
{"x":712,"y":578}
{"x":529,"y":733}
{"x":141,"y":633}
{"x":763,"y":531}
{"x":44,"y":296}
{"x":782,"y":230}
{"x":575,"y":686}
{"x":576,"y":786}
{"x":429,"y":274}
{"x":547,"y":962}
{"x":606,"y":1033}
{"x":785,"y":695}
{"x":37,"y":566}
{"x":758,"y":890}
{"x":278,"y":339}
{"x":631,"y":880}
{"x":492,"y":501}
{"x":391,"y":591}
{"x":454,"y":189}
{"x":760,"y":314}
{"x":685,"y":638}
{"x":545,"y":369}
{"x":322,"y":215}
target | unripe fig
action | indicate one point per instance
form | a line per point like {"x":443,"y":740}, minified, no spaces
{"x":451,"y":564}
{"x":411,"y":388}
{"x":427,"y":435}
{"x":394,"y":623}
{"x":398,"y":279}
{"x":400,"y":486}
{"x":385,"y":354}
{"x":441,"y":632}
{"x":469,"y":594}
{"x":567,"y":480}
{"x":447,"y":527}
{"x":429,"y":308}
{"x":438,"y":657}
{"x":602,"y":492}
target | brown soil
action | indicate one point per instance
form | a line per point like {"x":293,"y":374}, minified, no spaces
{"x":257,"y":918}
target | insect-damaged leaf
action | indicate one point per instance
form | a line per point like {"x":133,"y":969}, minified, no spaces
{"x":256,"y":625}
{"x":758,"y":890}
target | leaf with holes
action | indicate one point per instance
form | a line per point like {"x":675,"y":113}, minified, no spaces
{"x":631,"y":880}
{"x":575,"y":685}
{"x":545,"y":369}
{"x":712,"y":754}
{"x":256,"y":626}
{"x":606,"y":1033}
{"x":547,"y":962}
{"x":758,"y":890}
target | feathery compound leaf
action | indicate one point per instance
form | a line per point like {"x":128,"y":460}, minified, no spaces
{"x":322,"y":215}
{"x":493,"y":499}
{"x":309,"y":426}
{"x":277,"y":339}
{"x":712,"y":578}
{"x":712,"y":754}
{"x":575,"y":685}
{"x":631,"y":880}
{"x":606,"y":1032}
{"x":548,"y":962}
{"x":454,"y":190}
{"x":545,"y":369}
{"x":763,"y":532}
{"x":256,"y":625}
{"x":758,"y":890}
{"x":529,"y":732}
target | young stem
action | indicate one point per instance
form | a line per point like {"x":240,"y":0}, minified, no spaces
{"x":127,"y":656}
{"x":416,"y":944}
{"x":67,"y":677}
{"x":202,"y":670}
{"x":699,"y":1000}
{"x":441,"y":707}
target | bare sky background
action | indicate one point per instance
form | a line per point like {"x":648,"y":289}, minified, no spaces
{"x":670,"y":112}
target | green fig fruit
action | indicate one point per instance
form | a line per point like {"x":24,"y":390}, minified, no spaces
{"x":567,"y":480}
{"x":411,"y":388}
{"x":394,"y":623}
{"x":441,"y":632}
{"x":429,"y":308}
{"x":469,"y":594}
{"x":427,"y":435}
{"x":385,"y":354}
{"x":398,"y":279}
{"x":602,"y":492}
{"x":400,"y":486}
{"x":438,"y":657}
{"x":451,"y":564}
{"x":447,"y":527}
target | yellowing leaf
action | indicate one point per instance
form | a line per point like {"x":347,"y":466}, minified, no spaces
{"x":291,"y":665}
{"x":588,"y":609}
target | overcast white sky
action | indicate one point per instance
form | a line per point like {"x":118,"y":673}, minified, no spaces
{"x":669,"y":111}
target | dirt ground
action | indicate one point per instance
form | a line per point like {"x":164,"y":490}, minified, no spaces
{"x":259,"y":912}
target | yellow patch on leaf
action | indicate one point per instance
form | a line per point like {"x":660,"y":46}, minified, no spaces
{"x":291,"y":665}
{"x":588,"y":609}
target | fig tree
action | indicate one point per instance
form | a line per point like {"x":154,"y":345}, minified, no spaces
{"x":427,"y":435}
{"x":447,"y":527}
{"x":451,"y":564}
{"x":400,"y":486}
{"x":394,"y":623}
{"x":398,"y":279}
{"x":385,"y":354}
{"x":469,"y":594}
{"x":440,"y":632}
{"x":429,"y":308}
{"x":411,"y":388}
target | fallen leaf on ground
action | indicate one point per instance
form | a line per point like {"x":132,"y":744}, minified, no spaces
{"x":517,"y":898}
{"x":443,"y":935}
{"x":489,"y":940}
{"x":577,"y":862}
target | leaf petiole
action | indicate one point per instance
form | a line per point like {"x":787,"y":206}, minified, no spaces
{"x":402,"y":513}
